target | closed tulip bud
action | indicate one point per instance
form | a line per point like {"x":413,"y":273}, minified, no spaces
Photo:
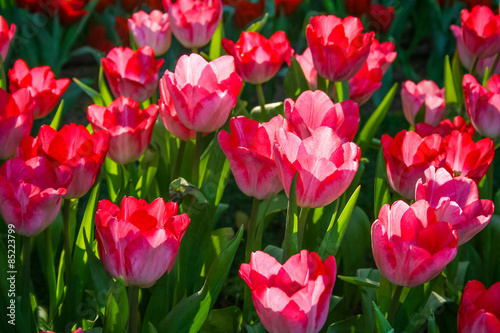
{"x":139,"y":241}
{"x":6,"y":35}
{"x":479,"y":308}
{"x":424,"y":94}
{"x":151,"y":30}
{"x":481,"y":31}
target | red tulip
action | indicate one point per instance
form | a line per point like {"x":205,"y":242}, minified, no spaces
{"x":293,"y":297}
{"x":455,"y":200}
{"x":194,"y":22}
{"x":306,"y":64}
{"x":247,"y":11}
{"x":258,"y":59}
{"x":139,"y":241}
{"x":132,"y":73}
{"x":202,"y":92}
{"x":407,"y":156}
{"x":97,"y":39}
{"x":381,"y":17}
{"x":338,"y":47}
{"x":129,"y":127}
{"x":71,"y":11}
{"x":445,"y":127}
{"x":31,"y":193}
{"x":44,"y":89}
{"x":16,"y":119}
{"x":357,"y":7}
{"x":483,"y":105}
{"x":324,"y":165}
{"x":315,"y":109}
{"x":481,"y":31}
{"x":287,"y":6}
{"x":479,"y":308}
{"x":151,"y":30}
{"x":74,"y":147}
{"x":426,"y":93}
{"x":6,"y":35}
{"x":464,"y":157}
{"x":249,"y":149}
{"x":410,"y":246}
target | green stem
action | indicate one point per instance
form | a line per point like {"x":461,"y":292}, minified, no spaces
{"x":474,"y":65}
{"x":494,"y":65}
{"x":302,"y":226}
{"x":68,"y":219}
{"x":133,"y":305}
{"x":196,"y":161}
{"x":260,"y":226}
{"x":51,"y":274}
{"x":342,"y":89}
{"x":262,"y":101}
{"x":178,"y":160}
{"x":194,"y":50}
{"x":393,"y":310}
{"x":26,"y":299}
{"x":489,"y":175}
{"x":3,"y":81}
{"x":322,"y":84}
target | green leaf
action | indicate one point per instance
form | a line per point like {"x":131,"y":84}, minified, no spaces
{"x":257,"y":26}
{"x":152,"y":328}
{"x":190,"y":313}
{"x":216,"y":42}
{"x":449,"y":83}
{"x":148,"y":166}
{"x":359,"y":281}
{"x":335,"y":233}
{"x":434,"y":302}
{"x":381,"y":323}
{"x":290,"y":243}
{"x":215,"y":174}
{"x":117,"y":310}
{"x":370,"y":129}
{"x":295,"y":80}
{"x":349,"y":325}
{"x":382,"y":194}
{"x":106,"y":96}
{"x":458,"y":74}
{"x":114,"y":178}
{"x":227,"y":320}
{"x":96,"y":97}
{"x":56,"y":121}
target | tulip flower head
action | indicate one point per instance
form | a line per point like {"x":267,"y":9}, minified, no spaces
{"x":306,"y":63}
{"x":479,"y":308}
{"x":425,"y":93}
{"x":445,"y":127}
{"x":481,"y":31}
{"x":151,"y":30}
{"x":6,"y":35}
{"x":293,"y":297}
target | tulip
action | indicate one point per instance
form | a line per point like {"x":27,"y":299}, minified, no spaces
{"x":194,"y":22}
{"x":479,"y":308}
{"x":44,"y":89}
{"x":456,"y":201}
{"x":483,"y":105}
{"x":151,"y":30}
{"x":202,"y":92}
{"x":71,"y":11}
{"x":247,"y":11}
{"x":129,"y":127}
{"x":306,"y":64}
{"x":31,"y":193}
{"x":425,"y":93}
{"x":139,"y":241}
{"x":357,"y":7}
{"x":249,"y":149}
{"x":315,"y":109}
{"x":325,"y":165}
{"x":467,"y":58}
{"x":97,"y":39}
{"x":132,"y":73}
{"x":464,"y":157}
{"x":381,"y":17}
{"x":293,"y":297}
{"x":338,"y":47}
{"x":410,"y":246}
{"x":6,"y":35}
{"x":74,"y":147}
{"x":445,"y":127}
{"x":481,"y":31}
{"x":258,"y":59}
{"x":286,"y":6}
{"x":407,"y":156}
{"x":16,"y":119}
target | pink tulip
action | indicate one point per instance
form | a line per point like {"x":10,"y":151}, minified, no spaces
{"x":16,"y":119}
{"x":481,"y":31}
{"x":479,"y":308}
{"x":129,"y":127}
{"x":445,"y":127}
{"x":315,"y":109}
{"x":325,"y":166}
{"x":203,"y":93}
{"x":455,"y":200}
{"x":338,"y":47}
{"x":151,"y":30}
{"x":293,"y":297}
{"x":139,"y":241}
{"x":249,"y":149}
{"x":6,"y":35}
{"x":132,"y":73}
{"x":44,"y":89}
{"x":259,"y":59}
{"x":483,"y":105}
{"x":426,"y":93}
{"x":72,"y":146}
{"x":194,"y":22}
{"x":467,"y":58}
{"x":306,"y":63}
{"x":464,"y":157}
{"x":31,"y":193}
{"x":407,"y":156}
{"x":410,"y":246}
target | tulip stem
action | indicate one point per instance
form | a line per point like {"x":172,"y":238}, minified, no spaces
{"x":393,"y":310}
{"x":304,"y":211}
{"x":26,"y":299}
{"x":69,"y":217}
{"x":178,"y":160}
{"x":133,"y":305}
{"x":494,"y":65}
{"x":262,"y":101}
{"x":51,"y":274}
{"x":474,"y":65}
{"x":342,"y":89}
{"x":196,"y":161}
{"x":194,"y":50}
{"x":3,"y":81}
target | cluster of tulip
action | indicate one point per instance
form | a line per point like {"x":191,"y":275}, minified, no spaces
{"x":310,"y":148}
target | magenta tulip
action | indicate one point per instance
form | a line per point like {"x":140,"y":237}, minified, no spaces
{"x":151,"y":30}
{"x":293,"y":297}
{"x":410,"y":246}
{"x":6,"y":36}
{"x":479,"y":308}
{"x":425,"y":93}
